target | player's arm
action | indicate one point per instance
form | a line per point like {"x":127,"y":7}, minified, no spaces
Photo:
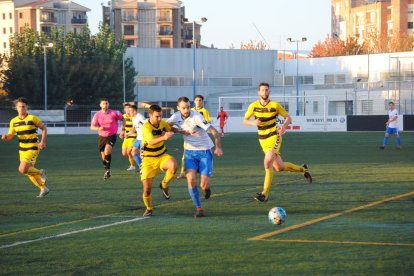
{"x":217,"y":142}
{"x":7,"y":137}
{"x":207,"y":116}
{"x":122,"y":133}
{"x":392,"y":119}
{"x":287,"y":120}
{"x":42,"y":143}
{"x":248,"y":115}
{"x":95,"y":125}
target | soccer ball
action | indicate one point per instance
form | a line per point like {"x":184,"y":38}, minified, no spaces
{"x":277,"y":215}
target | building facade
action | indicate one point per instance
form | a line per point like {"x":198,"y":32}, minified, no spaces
{"x":151,"y":23}
{"x":361,"y":18}
{"x":41,"y":16}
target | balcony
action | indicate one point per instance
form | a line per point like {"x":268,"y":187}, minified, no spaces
{"x":164,"y":19}
{"x":130,"y":18}
{"x":46,"y":19}
{"x":79,"y":20}
{"x":165,"y":33}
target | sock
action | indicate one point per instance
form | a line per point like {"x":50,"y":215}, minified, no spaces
{"x":385,"y":141}
{"x":267,"y":181}
{"x":131,"y":161}
{"x":104,"y":164}
{"x":137,"y":159}
{"x":195,"y":196}
{"x":167,"y":179}
{"x":37,"y":181}
{"x":147,"y":201}
{"x":33,"y":171}
{"x":398,"y":139}
{"x":182,"y":165}
{"x":290,"y":167}
{"x":108,"y":161}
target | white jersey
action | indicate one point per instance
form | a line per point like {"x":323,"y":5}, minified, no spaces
{"x":137,"y":123}
{"x":197,"y":126}
{"x":392,"y":114}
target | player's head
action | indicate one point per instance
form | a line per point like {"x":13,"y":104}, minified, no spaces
{"x":263,"y":91}
{"x":391,"y":105}
{"x":21,"y":106}
{"x":126,"y":108}
{"x":183,"y":105}
{"x":104,"y":104}
{"x":198,"y":101}
{"x":133,"y":109}
{"x":221,"y":108}
{"x":155,"y":114}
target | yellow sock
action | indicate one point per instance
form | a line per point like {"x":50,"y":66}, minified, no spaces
{"x":131,"y":161}
{"x":267,"y":181}
{"x":33,"y":171}
{"x":290,"y":167}
{"x":167,"y":178}
{"x":37,"y":181}
{"x":147,"y":201}
{"x":182,"y":164}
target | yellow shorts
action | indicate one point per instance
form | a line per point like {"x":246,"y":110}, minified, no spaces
{"x":273,"y":143}
{"x":28,"y":156}
{"x":128,"y":143}
{"x":151,"y":165}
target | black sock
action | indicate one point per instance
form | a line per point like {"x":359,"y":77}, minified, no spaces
{"x":108,"y":161}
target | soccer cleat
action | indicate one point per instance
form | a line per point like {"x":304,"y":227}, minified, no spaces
{"x":107,"y":175}
{"x":147,"y":213}
{"x":307,"y":174}
{"x":199,"y":213}
{"x":182,"y":176}
{"x":131,"y":168}
{"x":165,"y":192}
{"x":207,"y":193}
{"x":383,"y":147}
{"x":43,"y":175}
{"x":261,"y":197}
{"x":43,"y":192}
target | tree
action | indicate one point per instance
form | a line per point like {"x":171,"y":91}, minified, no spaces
{"x":80,"y":67}
{"x":331,"y":47}
{"x":251,"y":45}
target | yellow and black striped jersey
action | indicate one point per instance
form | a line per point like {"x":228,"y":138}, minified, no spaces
{"x":203,"y":112}
{"x":128,"y":125}
{"x":267,"y":115}
{"x":150,"y":132}
{"x":26,"y":130}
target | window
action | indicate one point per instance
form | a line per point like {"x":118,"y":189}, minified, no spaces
{"x":307,"y":79}
{"x":11,"y":30}
{"x":4,"y":30}
{"x":219,"y":82}
{"x":288,"y":80}
{"x":329,"y":79}
{"x":21,"y":29}
{"x":4,"y":16}
{"x":10,"y":16}
{"x":147,"y":81}
{"x":130,"y":42}
{"x":4,"y":44}
{"x":171,"y":81}
{"x":241,"y":82}
{"x":46,"y":29}
{"x":129,"y":30}
{"x":367,"y":106}
{"x":315,"y":106}
{"x":410,"y":25}
{"x":20,"y":15}
{"x":236,"y":106}
{"x":340,"y":78}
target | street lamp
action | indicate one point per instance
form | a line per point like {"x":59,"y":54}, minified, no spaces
{"x":297,"y":69}
{"x":203,"y":20}
{"x":49,"y":45}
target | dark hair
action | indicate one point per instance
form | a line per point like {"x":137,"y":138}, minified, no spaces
{"x":103,"y":100}
{"x":183,"y":99}
{"x":133,"y":106}
{"x":199,"y":96}
{"x":126,"y":104}
{"x":391,"y":103}
{"x":263,"y":84}
{"x":21,"y":100}
{"x":154,"y":108}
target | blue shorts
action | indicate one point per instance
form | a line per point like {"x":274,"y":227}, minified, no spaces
{"x":200,"y":161}
{"x":392,"y":130}
{"x":137,"y":144}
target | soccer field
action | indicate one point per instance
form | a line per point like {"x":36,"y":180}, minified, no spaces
{"x":357,"y":217}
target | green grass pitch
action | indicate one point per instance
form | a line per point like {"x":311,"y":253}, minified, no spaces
{"x":74,"y":229}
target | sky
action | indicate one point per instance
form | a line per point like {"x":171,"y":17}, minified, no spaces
{"x":235,"y":21}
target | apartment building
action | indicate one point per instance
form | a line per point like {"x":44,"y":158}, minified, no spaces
{"x":360,"y":18}
{"x":151,"y":23}
{"x":41,"y":16}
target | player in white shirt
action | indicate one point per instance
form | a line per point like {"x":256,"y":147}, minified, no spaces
{"x":392,"y":126}
{"x":137,"y":121}
{"x":198,"y":157}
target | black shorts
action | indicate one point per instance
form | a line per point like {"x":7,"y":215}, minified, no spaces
{"x":103,"y":141}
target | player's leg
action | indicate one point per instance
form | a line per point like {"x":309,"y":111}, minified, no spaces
{"x":386,"y":137}
{"x":169,"y":166}
{"x":36,"y":176}
{"x":397,"y":138}
{"x":149,"y":170}
{"x":267,"y":183}
{"x":182,"y":171}
{"x":206,"y":171}
{"x":136,"y":153}
{"x":107,"y":158}
{"x":191,"y":165}
{"x":130,"y":156}
{"x":222,"y":129}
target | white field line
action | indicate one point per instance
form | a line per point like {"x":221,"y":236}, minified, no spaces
{"x":72,"y":232}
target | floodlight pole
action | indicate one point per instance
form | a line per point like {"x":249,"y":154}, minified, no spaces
{"x":49,"y":45}
{"x":203,"y":20}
